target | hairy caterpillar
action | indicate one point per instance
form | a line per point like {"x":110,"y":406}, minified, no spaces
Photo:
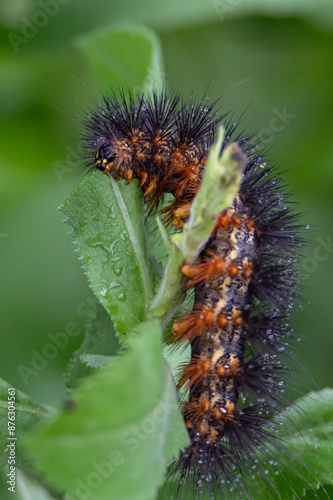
{"x":245,"y":280}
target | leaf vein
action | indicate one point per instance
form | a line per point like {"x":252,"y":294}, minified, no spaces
{"x":144,"y":272}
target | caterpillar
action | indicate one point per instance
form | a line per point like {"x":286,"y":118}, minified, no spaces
{"x":245,"y":280}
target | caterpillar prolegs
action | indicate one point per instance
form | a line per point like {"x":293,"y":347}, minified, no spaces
{"x":245,"y":280}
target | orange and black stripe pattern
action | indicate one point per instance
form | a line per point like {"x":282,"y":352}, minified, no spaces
{"x":216,"y":328}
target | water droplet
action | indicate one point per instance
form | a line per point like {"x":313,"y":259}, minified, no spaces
{"x":117,"y":269}
{"x":100,"y":240}
{"x":121,"y":296}
{"x":111,"y":214}
{"x":83,"y":221}
{"x":124,"y":236}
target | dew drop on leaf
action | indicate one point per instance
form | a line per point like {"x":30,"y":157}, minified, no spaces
{"x":121,"y":296}
{"x":117,"y":269}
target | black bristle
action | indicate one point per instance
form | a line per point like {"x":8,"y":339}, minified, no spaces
{"x":161,"y":113}
{"x":196,"y":121}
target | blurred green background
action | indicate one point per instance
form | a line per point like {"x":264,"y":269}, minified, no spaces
{"x":272,"y":58}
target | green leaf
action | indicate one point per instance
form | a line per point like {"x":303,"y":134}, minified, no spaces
{"x":97,"y":360}
{"x":100,"y":338}
{"x":310,"y":439}
{"x":29,"y":489}
{"x":311,"y":11}
{"x":307,"y":437}
{"x":127,"y":57}
{"x":306,"y":461}
{"x":28,"y":413}
{"x":106,"y":218}
{"x":124,"y":428}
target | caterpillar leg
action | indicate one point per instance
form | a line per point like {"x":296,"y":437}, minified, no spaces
{"x":152,"y":185}
{"x":180,"y":214}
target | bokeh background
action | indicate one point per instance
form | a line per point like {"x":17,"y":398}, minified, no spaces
{"x":269,"y":58}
